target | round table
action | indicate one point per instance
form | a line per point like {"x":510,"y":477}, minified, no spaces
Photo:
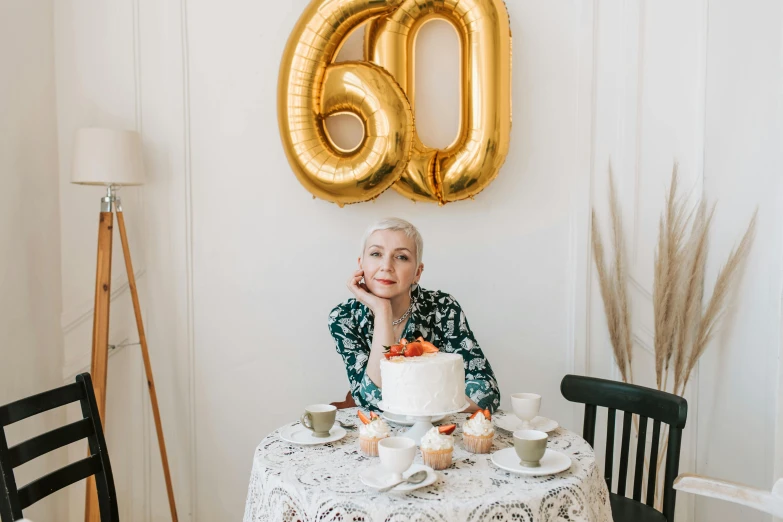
{"x":321,"y":483}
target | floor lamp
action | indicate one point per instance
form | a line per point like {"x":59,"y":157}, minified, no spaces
{"x":113,"y":158}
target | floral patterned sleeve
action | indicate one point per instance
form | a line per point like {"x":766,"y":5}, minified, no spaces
{"x":480,"y":383}
{"x":353,"y":348}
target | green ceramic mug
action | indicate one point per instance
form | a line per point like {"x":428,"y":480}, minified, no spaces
{"x":530,"y":446}
{"x":319,"y":418}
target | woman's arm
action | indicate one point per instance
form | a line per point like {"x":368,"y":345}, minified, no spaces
{"x":353,"y":348}
{"x":383,"y":330}
{"x":383,"y":336}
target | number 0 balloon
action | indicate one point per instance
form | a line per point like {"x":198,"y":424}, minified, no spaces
{"x":380,"y":92}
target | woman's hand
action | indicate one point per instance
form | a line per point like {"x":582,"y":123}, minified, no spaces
{"x":378,"y":305}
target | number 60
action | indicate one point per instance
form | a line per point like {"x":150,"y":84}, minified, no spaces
{"x":379,"y":91}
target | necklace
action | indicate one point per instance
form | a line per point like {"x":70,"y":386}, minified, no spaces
{"x":404,"y":316}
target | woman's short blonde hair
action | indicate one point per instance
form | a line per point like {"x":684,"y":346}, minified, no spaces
{"x":399,"y":225}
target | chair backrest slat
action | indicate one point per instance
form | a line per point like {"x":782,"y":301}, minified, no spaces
{"x":672,"y":470}
{"x":49,"y":400}
{"x":589,"y":424}
{"x":661,"y":407}
{"x":639,"y":465}
{"x":13,"y":499}
{"x":651,"y":480}
{"x":625,"y":447}
{"x":55,"y":481}
{"x":608,"y":464}
{"x":49,"y":441}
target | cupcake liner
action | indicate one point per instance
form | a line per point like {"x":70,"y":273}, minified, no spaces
{"x":369,"y":446}
{"x":478,"y":443}
{"x":437,"y":459}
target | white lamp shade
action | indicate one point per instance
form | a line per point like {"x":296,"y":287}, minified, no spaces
{"x":107,"y":157}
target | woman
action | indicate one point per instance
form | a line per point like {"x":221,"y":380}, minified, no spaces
{"x":389,"y":305}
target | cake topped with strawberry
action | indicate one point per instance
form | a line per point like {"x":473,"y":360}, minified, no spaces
{"x":478,"y":432}
{"x":438,"y":438}
{"x":372,"y":429}
{"x":418,"y":379}
{"x":437,"y":447}
{"x":479,"y":424}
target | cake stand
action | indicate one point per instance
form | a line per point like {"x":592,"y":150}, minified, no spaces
{"x":421,"y":423}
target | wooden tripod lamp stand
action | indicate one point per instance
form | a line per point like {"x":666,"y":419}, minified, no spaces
{"x":113,"y":158}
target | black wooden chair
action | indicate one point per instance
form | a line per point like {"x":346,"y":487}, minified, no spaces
{"x":13,"y":499}
{"x":647,"y":403}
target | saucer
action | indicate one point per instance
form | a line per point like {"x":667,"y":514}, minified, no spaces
{"x":552,"y":463}
{"x":512,"y":423}
{"x":382,"y":407}
{"x":402,"y":420}
{"x":376,"y":477}
{"x":298,"y":434}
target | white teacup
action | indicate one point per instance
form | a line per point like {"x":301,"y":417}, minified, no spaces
{"x":396,"y":454}
{"x":526,"y":406}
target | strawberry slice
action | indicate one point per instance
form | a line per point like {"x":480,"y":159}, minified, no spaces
{"x":396,"y":349}
{"x":363,"y":418}
{"x":427,"y":346}
{"x":487,"y":414}
{"x":388,"y":355}
{"x":448,"y":429}
{"x":373,"y":415}
{"x":413,"y":350}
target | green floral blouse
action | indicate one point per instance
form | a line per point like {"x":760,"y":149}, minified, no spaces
{"x":438,"y":318}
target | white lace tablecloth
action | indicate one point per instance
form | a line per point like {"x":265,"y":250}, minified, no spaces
{"x":321,"y":483}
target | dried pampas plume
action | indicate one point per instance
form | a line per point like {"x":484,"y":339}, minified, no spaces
{"x":683,"y":327}
{"x":612,"y":281}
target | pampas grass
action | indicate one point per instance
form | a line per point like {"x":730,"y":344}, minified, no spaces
{"x":613,"y":284}
{"x":683,"y":326}
{"x":668,"y":274}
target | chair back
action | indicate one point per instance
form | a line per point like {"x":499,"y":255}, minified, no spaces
{"x":347,"y":403}
{"x":648,"y":404}
{"x":14,"y":499}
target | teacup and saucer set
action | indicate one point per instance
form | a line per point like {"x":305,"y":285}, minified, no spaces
{"x":316,"y":426}
{"x":526,"y":407}
{"x":396,"y":471}
{"x":529,"y":456}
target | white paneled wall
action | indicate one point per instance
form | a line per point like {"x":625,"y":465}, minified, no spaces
{"x":240,"y":266}
{"x":30,"y":340}
{"x":101,"y":81}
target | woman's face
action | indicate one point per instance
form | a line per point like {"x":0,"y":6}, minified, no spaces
{"x":389,"y":263}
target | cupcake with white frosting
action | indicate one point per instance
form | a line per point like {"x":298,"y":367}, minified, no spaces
{"x":437,"y":447}
{"x":371,"y":431}
{"x":478,"y":432}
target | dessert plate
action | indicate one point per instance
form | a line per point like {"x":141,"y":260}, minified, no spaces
{"x":298,"y":434}
{"x":553,"y":462}
{"x":402,"y":420}
{"x":382,"y":407}
{"x":377,"y":477}
{"x":513,"y":423}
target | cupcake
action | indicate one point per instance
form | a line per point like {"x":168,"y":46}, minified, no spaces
{"x":370,"y":432}
{"x":437,"y":447}
{"x":478,"y":432}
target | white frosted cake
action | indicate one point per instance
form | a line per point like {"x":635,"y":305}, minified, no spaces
{"x":425,"y":385}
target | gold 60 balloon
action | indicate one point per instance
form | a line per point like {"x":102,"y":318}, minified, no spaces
{"x":380,"y":92}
